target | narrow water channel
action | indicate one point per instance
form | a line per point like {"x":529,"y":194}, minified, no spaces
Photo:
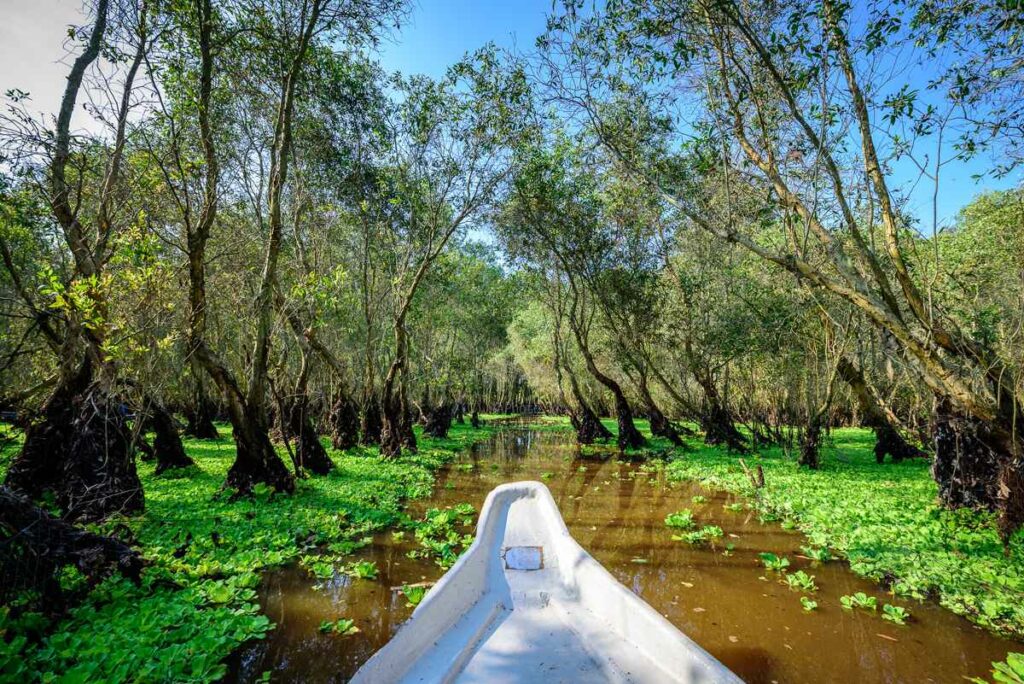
{"x":723,"y":598}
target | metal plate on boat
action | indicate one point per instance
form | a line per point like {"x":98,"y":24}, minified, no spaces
{"x":524,"y":557}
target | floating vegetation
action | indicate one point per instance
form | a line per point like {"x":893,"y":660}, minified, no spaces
{"x":682,"y":520}
{"x":773,"y":562}
{"x":859,"y":600}
{"x":341,"y":626}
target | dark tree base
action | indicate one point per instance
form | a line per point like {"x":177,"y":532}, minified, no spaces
{"x":309,"y":451}
{"x":439,"y":421}
{"x":200,"y":423}
{"x":474,"y":420}
{"x":372,"y":423}
{"x":82,"y":450}
{"x":966,"y":468}
{"x":33,"y":539}
{"x":810,"y":447}
{"x":661,"y":427}
{"x":167,"y":446}
{"x":589,"y":427}
{"x":629,"y":436}
{"x":720,"y":429}
{"x":889,"y":441}
{"x":344,"y":423}
{"x":256,"y":461}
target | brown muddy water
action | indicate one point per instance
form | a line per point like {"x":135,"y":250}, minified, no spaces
{"x":722,"y":598}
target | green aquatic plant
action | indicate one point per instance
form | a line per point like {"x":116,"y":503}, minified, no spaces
{"x":856,"y":510}
{"x":896,"y":614}
{"x":734,"y":507}
{"x":859,"y":600}
{"x":704,"y":534}
{"x":699,"y":499}
{"x":801,"y":581}
{"x":441,"y":534}
{"x":808,"y":604}
{"x":366,"y":570}
{"x":773,"y":562}
{"x":342,"y":626}
{"x":413,"y":594}
{"x":1009,"y":671}
{"x":819,"y":554}
{"x":682,"y":520}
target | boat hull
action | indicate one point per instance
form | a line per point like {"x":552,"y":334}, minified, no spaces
{"x":526,"y":603}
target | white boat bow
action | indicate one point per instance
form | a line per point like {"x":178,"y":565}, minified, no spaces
{"x":526,"y":603}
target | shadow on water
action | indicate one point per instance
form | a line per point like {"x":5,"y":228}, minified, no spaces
{"x":719,"y":595}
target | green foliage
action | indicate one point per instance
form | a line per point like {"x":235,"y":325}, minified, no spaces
{"x":819,"y":554}
{"x":886,"y":522}
{"x":413,"y":594}
{"x":801,"y":581}
{"x":366,"y":570}
{"x":859,"y":600}
{"x":704,"y":534}
{"x":342,"y":626}
{"x":197,"y":601}
{"x":896,"y":614}
{"x":682,"y":520}
{"x":808,"y":604}
{"x":773,"y":562}
{"x":699,"y":499}
{"x":1010,"y":671}
{"x":441,"y":534}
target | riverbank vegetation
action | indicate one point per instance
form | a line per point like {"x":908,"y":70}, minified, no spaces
{"x":196,"y":602}
{"x":727,"y":223}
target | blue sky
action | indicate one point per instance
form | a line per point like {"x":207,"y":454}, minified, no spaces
{"x":439,"y":32}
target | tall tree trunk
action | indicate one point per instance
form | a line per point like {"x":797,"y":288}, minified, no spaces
{"x":589,"y":427}
{"x":256,"y":461}
{"x":629,"y":437}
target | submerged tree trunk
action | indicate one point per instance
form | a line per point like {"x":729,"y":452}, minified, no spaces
{"x":660,"y":425}
{"x":167,"y":446}
{"x":474,"y":420}
{"x":256,"y":460}
{"x":589,"y":427}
